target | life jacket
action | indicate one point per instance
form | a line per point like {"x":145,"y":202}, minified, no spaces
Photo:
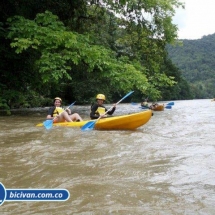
{"x":57,"y":111}
{"x":144,"y":104}
{"x":100,"y":110}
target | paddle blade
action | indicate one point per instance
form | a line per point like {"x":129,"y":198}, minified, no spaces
{"x":168,"y":107}
{"x":170,"y":103}
{"x":88,"y":126}
{"x":48,"y":124}
{"x":142,"y":107}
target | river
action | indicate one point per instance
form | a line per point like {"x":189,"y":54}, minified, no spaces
{"x":165,"y":167}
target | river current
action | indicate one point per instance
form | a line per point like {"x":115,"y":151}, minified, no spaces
{"x":165,"y":167}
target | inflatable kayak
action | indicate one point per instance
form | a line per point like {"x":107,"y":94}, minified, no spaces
{"x":124,"y":122}
{"x":159,"y":107}
{"x":155,"y":108}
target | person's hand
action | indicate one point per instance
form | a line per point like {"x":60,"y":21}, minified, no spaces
{"x":103,"y":116}
{"x":68,"y":111}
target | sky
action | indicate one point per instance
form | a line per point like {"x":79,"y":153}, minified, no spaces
{"x":196,"y":20}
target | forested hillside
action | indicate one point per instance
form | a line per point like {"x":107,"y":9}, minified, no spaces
{"x":196,"y":60}
{"x":77,"y":49}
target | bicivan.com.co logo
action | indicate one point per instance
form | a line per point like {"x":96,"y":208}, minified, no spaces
{"x":32,"y":194}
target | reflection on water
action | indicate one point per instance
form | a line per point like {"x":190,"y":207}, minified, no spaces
{"x":164,"y":167}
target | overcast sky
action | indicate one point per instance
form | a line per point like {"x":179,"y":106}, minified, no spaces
{"x":196,"y":20}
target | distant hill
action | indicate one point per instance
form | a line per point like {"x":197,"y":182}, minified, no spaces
{"x":196,"y":60}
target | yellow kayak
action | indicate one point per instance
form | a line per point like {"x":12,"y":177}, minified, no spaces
{"x":124,"y":122}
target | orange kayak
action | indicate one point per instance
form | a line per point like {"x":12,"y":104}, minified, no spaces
{"x":158,"y":107}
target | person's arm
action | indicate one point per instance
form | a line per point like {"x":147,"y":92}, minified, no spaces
{"x":50,"y":113}
{"x":110,"y":112}
{"x":93,"y":114}
{"x":68,"y":111}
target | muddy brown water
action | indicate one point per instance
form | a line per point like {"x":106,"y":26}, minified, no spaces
{"x":165,"y":167}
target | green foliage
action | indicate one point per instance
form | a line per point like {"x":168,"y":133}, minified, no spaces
{"x":4,"y":106}
{"x":78,"y":48}
{"x":196,"y":61}
{"x":61,"y":49}
{"x":16,"y":99}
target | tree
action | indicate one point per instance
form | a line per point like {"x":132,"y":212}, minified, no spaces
{"x":91,"y":45}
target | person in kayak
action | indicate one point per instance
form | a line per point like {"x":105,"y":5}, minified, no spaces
{"x":98,"y":109}
{"x":145,"y":104}
{"x":153,"y":106}
{"x":60,"y":115}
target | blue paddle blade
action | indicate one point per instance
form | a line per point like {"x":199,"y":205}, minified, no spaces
{"x":88,"y":126}
{"x":48,"y":124}
{"x":168,"y":107}
{"x":170,"y":103}
{"x":142,"y":107}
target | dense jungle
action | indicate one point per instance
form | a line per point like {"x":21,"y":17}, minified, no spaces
{"x":76,"y":49}
{"x":195,"y":58}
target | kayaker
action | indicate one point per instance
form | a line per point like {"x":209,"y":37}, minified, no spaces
{"x":153,"y":106}
{"x":98,"y":109}
{"x":60,"y":115}
{"x":145,"y":103}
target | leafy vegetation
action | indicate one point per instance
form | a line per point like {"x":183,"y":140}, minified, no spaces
{"x":195,"y":58}
{"x":76,"y":49}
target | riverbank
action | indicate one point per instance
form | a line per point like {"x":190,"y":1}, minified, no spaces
{"x":24,"y":111}
{"x":38,"y":111}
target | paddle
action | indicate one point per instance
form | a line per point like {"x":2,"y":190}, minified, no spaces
{"x":168,"y":107}
{"x":90,"y":125}
{"x":49,"y":122}
{"x":170,"y":103}
{"x":142,"y":107}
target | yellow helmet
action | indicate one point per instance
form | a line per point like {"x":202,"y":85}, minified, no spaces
{"x":100,"y":96}
{"x":57,"y":98}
